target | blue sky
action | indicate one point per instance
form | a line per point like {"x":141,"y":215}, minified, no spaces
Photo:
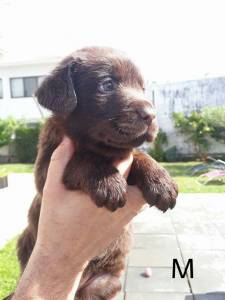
{"x":170,"y":40}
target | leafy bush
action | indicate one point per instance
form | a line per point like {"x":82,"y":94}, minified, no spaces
{"x":196,"y":128}
{"x":157,"y":151}
{"x":171,"y":154}
{"x":26,"y":139}
{"x":215,"y":118}
{"x":7,"y":128}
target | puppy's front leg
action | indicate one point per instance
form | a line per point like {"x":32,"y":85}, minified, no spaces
{"x":157,"y":186}
{"x":92,"y":174}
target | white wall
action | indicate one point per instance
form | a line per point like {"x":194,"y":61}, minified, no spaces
{"x":21,"y":107}
{"x":185,"y":97}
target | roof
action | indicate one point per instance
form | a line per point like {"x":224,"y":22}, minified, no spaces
{"x":7,"y":61}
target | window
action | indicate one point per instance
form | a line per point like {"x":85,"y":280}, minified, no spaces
{"x":30,"y":85}
{"x":1,"y":89}
{"x":17,"y":87}
{"x":24,"y":86}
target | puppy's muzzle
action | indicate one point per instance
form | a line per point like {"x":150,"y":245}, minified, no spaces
{"x":145,"y":111}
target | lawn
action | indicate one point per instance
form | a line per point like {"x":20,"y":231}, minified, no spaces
{"x":189,"y":184}
{"x":16,"y":168}
{"x":179,"y":171}
{"x":9,"y":269}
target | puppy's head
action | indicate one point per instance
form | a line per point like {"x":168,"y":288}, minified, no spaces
{"x":100,"y":94}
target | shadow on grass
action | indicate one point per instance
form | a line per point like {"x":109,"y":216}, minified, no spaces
{"x":215,"y":183}
{"x":179,"y":169}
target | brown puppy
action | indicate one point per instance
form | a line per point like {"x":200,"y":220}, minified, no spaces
{"x":97,"y":99}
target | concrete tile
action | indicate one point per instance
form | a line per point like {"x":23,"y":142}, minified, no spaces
{"x":158,"y":296}
{"x":155,"y":241}
{"x":154,"y":226}
{"x":160,"y":281}
{"x":221,"y":228}
{"x":195,"y":227}
{"x":206,"y":259}
{"x":154,"y":257}
{"x":15,"y":202}
{"x":214,"y":203}
{"x":217,"y":218}
{"x":119,"y":296}
{"x":152,"y":221}
{"x":210,"y":296}
{"x":188,"y":202}
{"x":185,"y":217}
{"x":201,"y":241}
{"x":209,"y":270}
{"x":208,"y":280}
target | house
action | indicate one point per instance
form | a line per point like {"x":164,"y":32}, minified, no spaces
{"x":18,"y":81}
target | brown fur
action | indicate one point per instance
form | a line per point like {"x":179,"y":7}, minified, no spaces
{"x":105,"y":125}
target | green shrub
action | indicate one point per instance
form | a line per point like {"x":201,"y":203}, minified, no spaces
{"x":157,"y":151}
{"x":199,"y":126}
{"x":26,"y":139}
{"x":215,"y":118}
{"x":171,"y":154}
{"x":7,"y":128}
{"x":196,"y":128}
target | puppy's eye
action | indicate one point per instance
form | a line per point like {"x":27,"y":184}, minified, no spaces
{"x":106,"y":86}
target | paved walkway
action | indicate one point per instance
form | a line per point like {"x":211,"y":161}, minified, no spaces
{"x":14,"y":204}
{"x":195,"y":229}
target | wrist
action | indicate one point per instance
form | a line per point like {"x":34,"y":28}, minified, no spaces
{"x":60,"y":259}
{"x":50,"y":276}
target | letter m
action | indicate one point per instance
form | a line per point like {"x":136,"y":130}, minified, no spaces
{"x":182,"y":275}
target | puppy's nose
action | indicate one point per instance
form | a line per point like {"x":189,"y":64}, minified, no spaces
{"x":146,"y":113}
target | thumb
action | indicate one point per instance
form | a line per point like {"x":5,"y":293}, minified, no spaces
{"x":59,"y":160}
{"x":123,"y":166}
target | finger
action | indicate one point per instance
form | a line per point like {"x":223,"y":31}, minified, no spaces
{"x":136,"y":201}
{"x":124,"y":165}
{"x":135,"y":204}
{"x":59,"y":160}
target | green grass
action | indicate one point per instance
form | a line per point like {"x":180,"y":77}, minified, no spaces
{"x":16,"y":168}
{"x":3,"y":172}
{"x":9,"y":269}
{"x":189,"y":184}
{"x":179,"y":171}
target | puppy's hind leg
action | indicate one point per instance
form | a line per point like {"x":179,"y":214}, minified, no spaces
{"x":102,"y":287}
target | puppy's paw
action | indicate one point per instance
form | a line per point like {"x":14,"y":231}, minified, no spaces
{"x":157,"y":186}
{"x":110,"y":192}
{"x":161,"y":191}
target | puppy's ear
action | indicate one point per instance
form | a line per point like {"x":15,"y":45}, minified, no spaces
{"x":57,"y":91}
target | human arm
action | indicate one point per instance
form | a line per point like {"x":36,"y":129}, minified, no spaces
{"x":68,"y":233}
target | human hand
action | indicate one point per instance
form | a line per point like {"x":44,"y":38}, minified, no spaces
{"x":70,"y":222}
{"x":72,"y":230}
